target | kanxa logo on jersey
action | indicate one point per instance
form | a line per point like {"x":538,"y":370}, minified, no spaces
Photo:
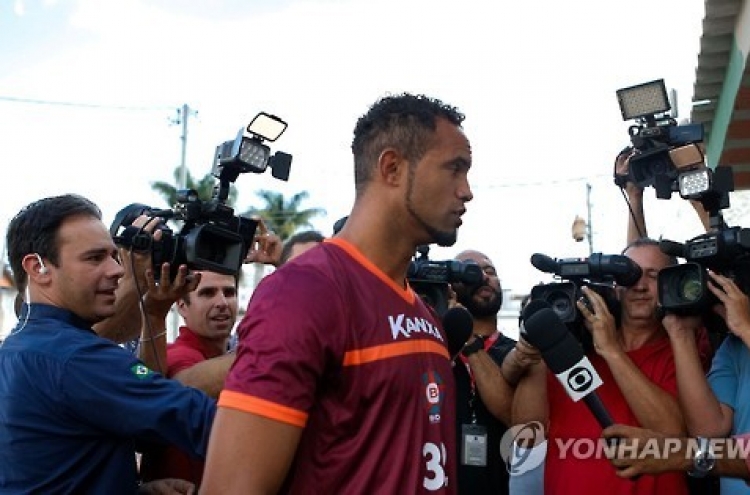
{"x":434,"y":394}
{"x":405,"y":326}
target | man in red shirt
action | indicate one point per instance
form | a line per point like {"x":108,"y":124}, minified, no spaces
{"x":198,"y":358}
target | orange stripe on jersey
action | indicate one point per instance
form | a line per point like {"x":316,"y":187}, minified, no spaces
{"x":407,"y":293}
{"x":262,"y":407}
{"x":395,"y":349}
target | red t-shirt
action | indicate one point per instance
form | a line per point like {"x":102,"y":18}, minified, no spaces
{"x":568,"y":470}
{"x":161,"y":462}
{"x":330,"y":344}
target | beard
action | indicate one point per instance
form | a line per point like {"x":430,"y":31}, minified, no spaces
{"x":479,"y":308}
{"x":443,"y":238}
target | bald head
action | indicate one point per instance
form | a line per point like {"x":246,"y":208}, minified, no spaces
{"x":475,"y":256}
{"x":483,"y":300}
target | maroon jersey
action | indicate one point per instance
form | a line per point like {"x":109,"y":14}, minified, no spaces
{"x":330,"y":344}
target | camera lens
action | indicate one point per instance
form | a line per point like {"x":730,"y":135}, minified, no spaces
{"x":562,"y":305}
{"x":689,"y":287}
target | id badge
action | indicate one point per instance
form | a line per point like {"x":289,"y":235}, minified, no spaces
{"x":473,"y":445}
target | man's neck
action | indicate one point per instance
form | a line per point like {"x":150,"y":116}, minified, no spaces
{"x":485,"y":326}
{"x":636,"y":334}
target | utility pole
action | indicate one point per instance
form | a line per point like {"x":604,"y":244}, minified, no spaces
{"x":183,"y":115}
{"x":589,"y":230}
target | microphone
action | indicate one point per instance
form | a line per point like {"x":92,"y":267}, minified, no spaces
{"x":672,"y":248}
{"x":458,"y":325}
{"x":564,"y":357}
{"x":531,"y":308}
{"x":544,"y":263}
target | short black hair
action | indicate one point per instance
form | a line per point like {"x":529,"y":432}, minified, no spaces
{"x":406,"y":122}
{"x":34,"y":230}
{"x":299,"y":238}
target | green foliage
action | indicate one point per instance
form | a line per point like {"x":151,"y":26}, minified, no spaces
{"x":281,"y":215}
{"x":284,"y":216}
{"x":204,"y":187}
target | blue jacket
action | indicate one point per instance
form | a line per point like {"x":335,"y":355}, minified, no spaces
{"x":72,"y":406}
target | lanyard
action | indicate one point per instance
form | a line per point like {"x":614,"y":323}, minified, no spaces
{"x":488,"y":342}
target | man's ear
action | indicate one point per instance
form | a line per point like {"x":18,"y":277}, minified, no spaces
{"x":392,"y":167}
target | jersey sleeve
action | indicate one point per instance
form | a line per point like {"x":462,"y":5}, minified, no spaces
{"x":285,"y":350}
{"x":106,"y":387}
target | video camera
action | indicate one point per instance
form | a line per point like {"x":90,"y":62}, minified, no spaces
{"x":212,"y":237}
{"x":683,"y":288}
{"x":431,"y":279}
{"x":598,"y":272}
{"x":662,"y":148}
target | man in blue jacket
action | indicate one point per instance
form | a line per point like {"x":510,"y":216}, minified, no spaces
{"x":73,"y":404}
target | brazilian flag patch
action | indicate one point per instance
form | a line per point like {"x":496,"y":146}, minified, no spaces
{"x":141,"y":371}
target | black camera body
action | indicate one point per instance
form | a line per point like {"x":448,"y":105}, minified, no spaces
{"x":212,"y":237}
{"x":662,"y":147}
{"x":431,"y":279}
{"x":598,"y":272}
{"x":655,"y":163}
{"x":683,"y":289}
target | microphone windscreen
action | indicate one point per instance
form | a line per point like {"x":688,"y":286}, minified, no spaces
{"x":544,"y":263}
{"x":458,"y":325}
{"x":532,"y":307}
{"x":547,"y":332}
{"x":672,"y":248}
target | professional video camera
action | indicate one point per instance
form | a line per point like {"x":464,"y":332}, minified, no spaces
{"x":683,"y":288}
{"x":430,"y":279}
{"x":212,"y":237}
{"x":662,"y":147}
{"x":598,"y":272}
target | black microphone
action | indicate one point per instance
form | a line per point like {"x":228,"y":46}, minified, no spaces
{"x":672,"y":248}
{"x":531,"y":308}
{"x":544,"y":263}
{"x":564,"y":357}
{"x":458,"y":325}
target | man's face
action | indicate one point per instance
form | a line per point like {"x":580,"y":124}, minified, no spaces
{"x":640,"y":301}
{"x":88,"y":270}
{"x":213,"y":306}
{"x":486,"y":298}
{"x":437,"y":186}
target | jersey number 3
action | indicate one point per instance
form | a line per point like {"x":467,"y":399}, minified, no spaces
{"x":435,"y":458}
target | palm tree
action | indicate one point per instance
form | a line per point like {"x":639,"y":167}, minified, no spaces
{"x":284,"y":216}
{"x":204,"y":187}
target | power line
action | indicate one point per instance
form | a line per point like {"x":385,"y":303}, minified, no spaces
{"x":542,"y":182}
{"x":34,"y":101}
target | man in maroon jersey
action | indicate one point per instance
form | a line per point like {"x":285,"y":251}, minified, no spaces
{"x":343,"y":382}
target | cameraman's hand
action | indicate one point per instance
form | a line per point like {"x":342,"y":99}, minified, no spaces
{"x":681,"y":327}
{"x":600,"y":322}
{"x":525,"y":354}
{"x":266,"y":247}
{"x":622,"y":169}
{"x":735,"y":307}
{"x":160,"y":296}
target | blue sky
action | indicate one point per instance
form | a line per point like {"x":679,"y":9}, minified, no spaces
{"x":536,"y":80}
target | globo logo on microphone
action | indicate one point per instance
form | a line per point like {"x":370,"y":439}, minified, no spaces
{"x":580,"y":379}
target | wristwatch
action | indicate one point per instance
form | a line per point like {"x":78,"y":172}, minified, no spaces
{"x":704,"y":458}
{"x":475,"y":345}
